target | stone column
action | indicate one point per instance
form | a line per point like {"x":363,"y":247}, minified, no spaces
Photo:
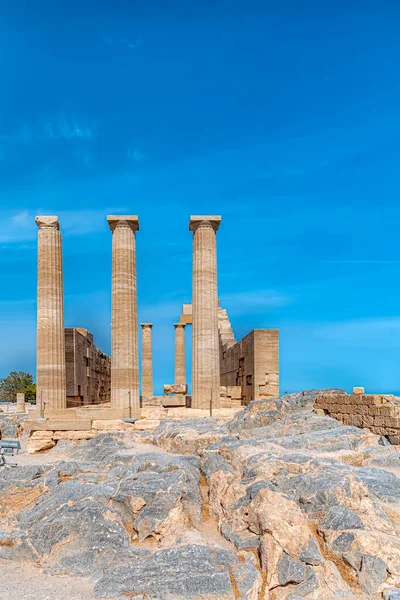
{"x":205,"y":345}
{"x":124,"y":321}
{"x":50,"y":355}
{"x":20,"y":403}
{"x":147,"y":360}
{"x":180,"y":360}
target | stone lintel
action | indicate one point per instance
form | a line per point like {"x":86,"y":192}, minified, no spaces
{"x":197,"y":220}
{"x":47,"y":222}
{"x":143,"y":325}
{"x":131,"y":221}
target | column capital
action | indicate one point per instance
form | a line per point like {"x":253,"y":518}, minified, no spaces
{"x":46,"y":222}
{"x":146,"y":325}
{"x":117,"y":221}
{"x":197,"y":221}
{"x":183,"y":325}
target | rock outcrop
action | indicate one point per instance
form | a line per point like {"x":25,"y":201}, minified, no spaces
{"x":279,"y":503}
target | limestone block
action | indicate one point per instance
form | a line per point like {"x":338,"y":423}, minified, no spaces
{"x":153,"y":412}
{"x":42,"y":435}
{"x":39,"y":445}
{"x":58,"y":425}
{"x":74,"y":435}
{"x":152,"y":401}
{"x":175,"y":388}
{"x":358,"y":390}
{"x":179,"y":400}
{"x":234,"y":391}
{"x":112,"y":425}
{"x":268,"y":390}
{"x":146,"y":424}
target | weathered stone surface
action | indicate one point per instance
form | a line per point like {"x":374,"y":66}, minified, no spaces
{"x":205,"y":344}
{"x":50,"y":355}
{"x":39,"y":445}
{"x":186,"y":572}
{"x":323,"y":525}
{"x":11,"y":426}
{"x":125,"y":347}
{"x":189,"y":436}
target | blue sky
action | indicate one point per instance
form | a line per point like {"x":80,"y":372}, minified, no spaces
{"x":281,"y":117}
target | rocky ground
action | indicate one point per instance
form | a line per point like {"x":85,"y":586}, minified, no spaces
{"x":279,"y":503}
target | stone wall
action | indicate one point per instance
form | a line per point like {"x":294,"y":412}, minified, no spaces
{"x":378,"y":413}
{"x":253,"y":364}
{"x":88,"y":369}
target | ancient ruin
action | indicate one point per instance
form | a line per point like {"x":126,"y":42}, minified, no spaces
{"x":88,"y":369}
{"x":238,"y":495}
{"x":124,"y":334}
{"x":72,"y":372}
{"x":380,"y":413}
{"x":50,"y":355}
{"x":205,"y":340}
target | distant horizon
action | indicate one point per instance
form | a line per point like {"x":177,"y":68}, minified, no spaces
{"x":283,"y":119}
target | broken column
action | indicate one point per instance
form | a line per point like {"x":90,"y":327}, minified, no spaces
{"x":180,"y":360}
{"x":50,"y":356}
{"x":147,"y":360}
{"x":124,"y":322}
{"x":20,"y":403}
{"x":205,"y":345}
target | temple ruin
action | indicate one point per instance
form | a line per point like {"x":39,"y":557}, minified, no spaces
{"x":73,"y":374}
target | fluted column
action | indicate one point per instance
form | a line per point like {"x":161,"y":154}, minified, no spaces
{"x":124,"y":321}
{"x":180,"y":360}
{"x":147,"y":360}
{"x":50,"y":355}
{"x":205,"y":345}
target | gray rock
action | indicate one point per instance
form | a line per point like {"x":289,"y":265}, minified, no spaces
{"x":372,"y":574}
{"x":340,"y":517}
{"x":391,"y":595}
{"x":11,"y":426}
{"x":212,"y":463}
{"x":343,"y":543}
{"x":311,"y":554}
{"x":290,"y":570}
{"x":243,"y":540}
{"x":184,"y":572}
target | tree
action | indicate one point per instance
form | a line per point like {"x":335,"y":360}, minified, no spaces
{"x":18,"y":382}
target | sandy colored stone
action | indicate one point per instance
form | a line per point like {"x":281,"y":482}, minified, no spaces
{"x":20,"y":403}
{"x":125,"y":350}
{"x":88,"y":369}
{"x":180,"y":358}
{"x":145,"y":424}
{"x":175,"y":388}
{"x":358,"y":390}
{"x":147,"y":360}
{"x":205,"y":336}
{"x":111,"y":425}
{"x":50,"y":361}
{"x":74,"y":435}
{"x":42,"y":435}
{"x":38,"y":445}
